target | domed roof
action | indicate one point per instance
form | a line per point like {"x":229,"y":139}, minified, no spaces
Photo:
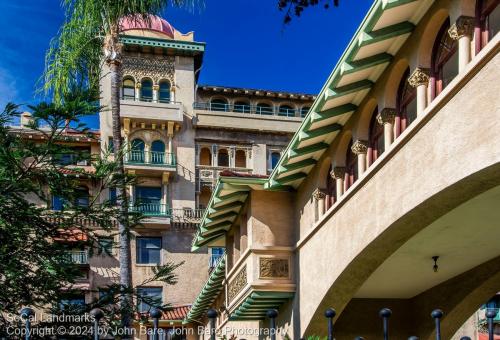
{"x":154,"y":23}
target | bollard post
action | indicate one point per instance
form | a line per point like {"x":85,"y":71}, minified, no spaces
{"x":385,"y":314}
{"x":437,"y":314}
{"x":26,"y":314}
{"x":490,"y":315}
{"x":212,"y":315}
{"x":97,"y":315}
{"x":330,"y":314}
{"x":272,"y":314}
{"x":155,"y":313}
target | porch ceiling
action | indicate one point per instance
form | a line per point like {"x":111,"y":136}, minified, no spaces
{"x":256,"y":305}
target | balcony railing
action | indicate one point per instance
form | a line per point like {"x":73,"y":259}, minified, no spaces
{"x":254,"y":109}
{"x":482,"y":316}
{"x":153,"y":158}
{"x":149,"y":100}
{"x":152,"y":209}
{"x":187,"y":214}
{"x":210,"y":174}
{"x":77,"y":256}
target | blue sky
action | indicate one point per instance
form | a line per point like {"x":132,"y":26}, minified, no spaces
{"x":247,"y":44}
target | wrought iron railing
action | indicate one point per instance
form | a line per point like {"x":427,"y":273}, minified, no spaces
{"x":152,"y":209}
{"x":253,"y":109}
{"x":149,"y":100}
{"x":153,"y":158}
{"x":206,"y":174}
{"x":77,"y":256}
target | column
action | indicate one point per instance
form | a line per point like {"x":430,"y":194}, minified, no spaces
{"x":164,"y":192}
{"x":131,"y":190}
{"x":147,"y":153}
{"x":231,"y":155}
{"x":170,"y":136}
{"x":461,"y":31}
{"x":319,"y":197}
{"x":137,"y":91}
{"x":214,"y":155}
{"x":359,"y":148}
{"x":338,"y":174}
{"x":156,"y":87}
{"x":419,"y":80}
{"x":386,"y":119}
{"x":172,"y":92}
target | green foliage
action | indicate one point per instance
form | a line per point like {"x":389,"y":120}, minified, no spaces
{"x":316,"y":337}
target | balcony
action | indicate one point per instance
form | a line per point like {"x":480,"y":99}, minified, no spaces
{"x":148,"y":110}
{"x":207,"y":175}
{"x":151,"y":159}
{"x":152,"y":209}
{"x":77,"y":256}
{"x":249,"y":117}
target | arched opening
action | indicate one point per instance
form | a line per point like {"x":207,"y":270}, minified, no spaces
{"x":205,"y":156}
{"x":406,"y":104}
{"x":146,"y":90}
{"x":286,"y":110}
{"x":275,"y":158}
{"x":157,"y":152}
{"x":137,"y":151}
{"x":128,"y":88}
{"x":240,"y":160}
{"x":304,"y":111}
{"x":487,"y":20}
{"x":264,"y":109}
{"x":204,"y":197}
{"x":241,"y":106}
{"x":223,"y":158}
{"x":164,"y":92}
{"x":444,"y":59}
{"x":331,"y":190}
{"x":376,"y":138}
{"x":218,"y":104}
{"x":351,"y":162}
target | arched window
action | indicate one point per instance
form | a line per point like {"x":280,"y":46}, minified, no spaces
{"x":241,"y":107}
{"x":157,"y":152}
{"x":223,"y":158}
{"x":286,"y":110}
{"x":444,"y":58}
{"x":128,"y":89}
{"x":147,"y":90}
{"x":351,"y":161}
{"x":164,"y":92}
{"x":275,"y":157}
{"x":406,"y":104}
{"x":205,"y":156}
{"x":488,"y":17}
{"x":137,"y":151}
{"x":240,"y":159}
{"x":331,"y":190}
{"x":264,"y":109}
{"x":218,"y":105}
{"x":304,"y":111}
{"x":376,"y":140}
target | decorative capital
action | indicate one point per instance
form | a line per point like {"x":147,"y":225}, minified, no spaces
{"x":138,"y":85}
{"x":464,"y":26}
{"x":156,"y":87}
{"x":387,"y":115}
{"x":359,"y":147}
{"x":338,"y":172}
{"x":318,"y":195}
{"x":419,"y":77}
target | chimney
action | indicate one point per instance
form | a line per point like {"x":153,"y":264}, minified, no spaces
{"x":26,"y":119}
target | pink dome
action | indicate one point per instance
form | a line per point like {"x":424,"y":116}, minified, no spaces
{"x":155,"y":23}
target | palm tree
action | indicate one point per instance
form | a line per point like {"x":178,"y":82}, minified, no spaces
{"x":87,"y":41}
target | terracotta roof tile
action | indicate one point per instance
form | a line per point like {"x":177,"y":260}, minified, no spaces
{"x":176,"y":313}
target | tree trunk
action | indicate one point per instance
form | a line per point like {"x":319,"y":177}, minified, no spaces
{"x":115,"y":67}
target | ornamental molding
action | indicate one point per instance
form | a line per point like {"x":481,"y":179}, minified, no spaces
{"x":464,"y":26}
{"x":387,"y":115}
{"x":359,"y":147}
{"x":237,"y":284}
{"x":273,"y":268}
{"x":338,"y":172}
{"x":318,"y":195}
{"x":151,"y":67}
{"x":419,"y":77}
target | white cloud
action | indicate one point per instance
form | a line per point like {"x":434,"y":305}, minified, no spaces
{"x":8,"y":88}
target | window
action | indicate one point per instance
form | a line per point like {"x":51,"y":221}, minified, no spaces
{"x":241,"y":107}
{"x":444,"y":58}
{"x":75,"y":156}
{"x":157,"y":152}
{"x":218,"y":105}
{"x":489,"y":21}
{"x":264,"y":109}
{"x":82,"y":197}
{"x":286,"y":110}
{"x":148,"y":200}
{"x":73,"y":302}
{"x":148,"y":250}
{"x":215,"y":254}
{"x":164,"y":92}
{"x":58,"y":203}
{"x":275,"y":157}
{"x":81,"y":200}
{"x":128,"y":89}
{"x":406,"y":104}
{"x":112,"y":196}
{"x":223,"y":158}
{"x":304,"y":111}
{"x":205,"y":156}
{"x":240,"y":159}
{"x":148,"y":297}
{"x":376,"y":146}
{"x":105,"y":246}
{"x":137,"y":151}
{"x":146,"y":90}
{"x":351,"y":161}
{"x":106,"y":296}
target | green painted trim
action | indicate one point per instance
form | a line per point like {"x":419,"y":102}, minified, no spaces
{"x":395,"y":3}
{"x":191,"y":46}
{"x":348,"y":89}
{"x":291,"y":178}
{"x":231,"y":205}
{"x":219,"y":218}
{"x":298,"y":165}
{"x":362,"y":64}
{"x":307,"y":150}
{"x":325,"y":130}
{"x":386,"y":33}
{"x":222,"y":199}
{"x":329,"y":113}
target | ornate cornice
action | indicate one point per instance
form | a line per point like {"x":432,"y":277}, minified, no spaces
{"x":419,"y":77}
{"x":464,"y":26}
{"x":359,"y":147}
{"x":338,"y":172}
{"x":237,"y":284}
{"x":156,"y":87}
{"x":387,"y":115}
{"x":270,"y":267}
{"x":156,"y":68}
{"x":318,"y":195}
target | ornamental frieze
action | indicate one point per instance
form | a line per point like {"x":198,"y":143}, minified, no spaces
{"x":154,"y":68}
{"x":237,"y":284}
{"x":270,"y":268}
